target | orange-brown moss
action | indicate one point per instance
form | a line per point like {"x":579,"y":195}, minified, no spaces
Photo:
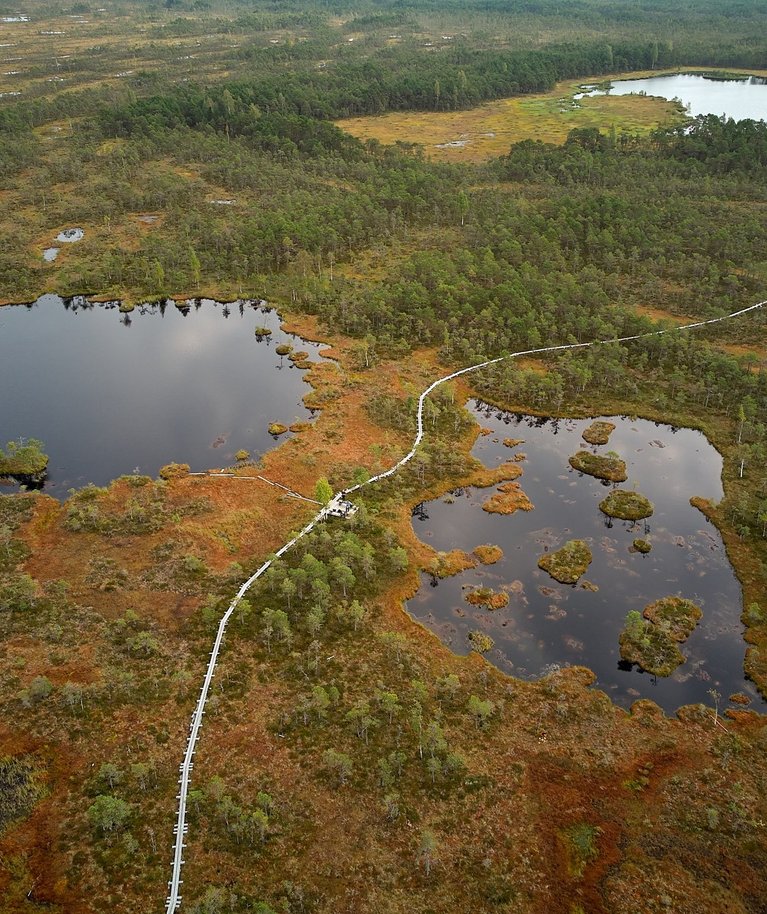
{"x":531,"y":776}
{"x":508,"y":499}
{"x":490,"y":599}
{"x":489,"y":554}
{"x":491,"y":476}
{"x":448,"y":564}
{"x":598,"y":432}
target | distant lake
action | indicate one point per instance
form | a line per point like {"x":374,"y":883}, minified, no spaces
{"x":109,"y":393}
{"x":548,"y":624}
{"x":735,"y":98}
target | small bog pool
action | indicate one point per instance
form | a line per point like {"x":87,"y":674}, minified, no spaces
{"x":111,"y":393}
{"x":547,"y":624}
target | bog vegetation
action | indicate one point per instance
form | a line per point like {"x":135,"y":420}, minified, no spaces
{"x":348,"y":762}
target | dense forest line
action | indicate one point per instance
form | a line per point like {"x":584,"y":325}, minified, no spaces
{"x":588,"y":226}
{"x":313,"y":68}
{"x":287,"y":82}
{"x":593,"y":232}
{"x":401,"y":78}
{"x":584,"y":236}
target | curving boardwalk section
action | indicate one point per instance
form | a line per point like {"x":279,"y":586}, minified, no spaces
{"x":173,"y":901}
{"x":514,"y":355}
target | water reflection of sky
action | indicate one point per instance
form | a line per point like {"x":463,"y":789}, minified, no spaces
{"x":738,"y":99}
{"x":548,"y":623}
{"x":107,"y":393}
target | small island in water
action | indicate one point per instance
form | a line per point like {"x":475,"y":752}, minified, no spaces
{"x":24,"y":461}
{"x":598,"y":432}
{"x":651,"y":640}
{"x":568,"y":564}
{"x":602,"y":466}
{"x":626,"y":505}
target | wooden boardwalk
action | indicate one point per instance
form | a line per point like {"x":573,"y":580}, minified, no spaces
{"x":173,"y":900}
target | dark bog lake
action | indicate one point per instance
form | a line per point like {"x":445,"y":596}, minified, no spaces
{"x":109,"y":393}
{"x":735,"y":98}
{"x":548,"y":624}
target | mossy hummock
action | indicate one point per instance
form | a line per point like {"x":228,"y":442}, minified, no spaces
{"x":488,"y":554}
{"x":598,"y":432}
{"x":650,"y":648}
{"x":567,"y":564}
{"x":508,"y":499}
{"x":651,"y":640}
{"x":23,"y":460}
{"x":447,"y":564}
{"x":480,"y":642}
{"x":603,"y":466}
{"x":174,"y":471}
{"x":675,"y":615}
{"x":490,"y":599}
{"x":626,"y":505}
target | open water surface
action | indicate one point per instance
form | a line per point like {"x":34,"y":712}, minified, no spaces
{"x":110,"y":394}
{"x":548,"y":624}
{"x":735,"y":98}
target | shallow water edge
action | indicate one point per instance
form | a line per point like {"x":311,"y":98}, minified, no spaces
{"x":691,"y":558}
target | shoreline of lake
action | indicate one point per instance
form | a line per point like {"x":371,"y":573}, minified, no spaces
{"x":218,"y":390}
{"x":740,"y":96}
{"x":719,"y":568}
